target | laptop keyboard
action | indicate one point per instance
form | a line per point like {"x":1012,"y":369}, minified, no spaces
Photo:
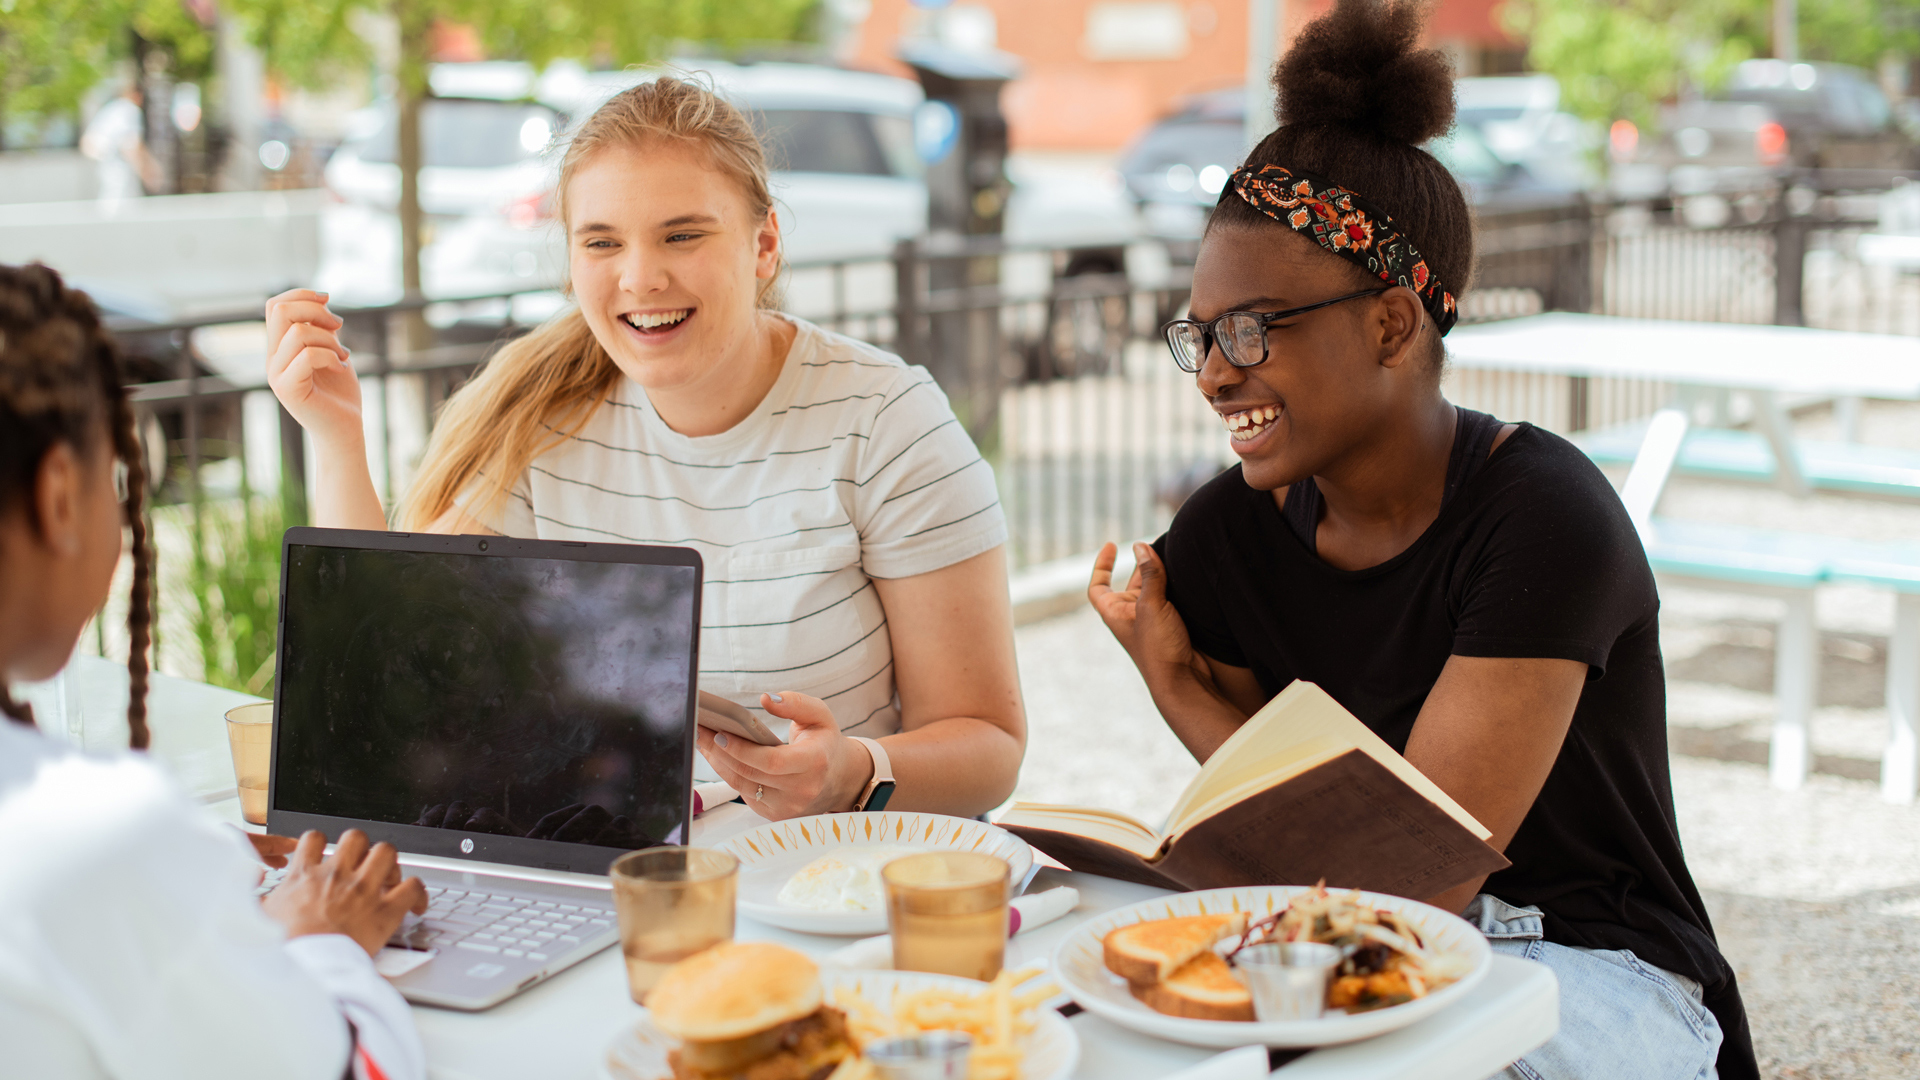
{"x":501,"y":924}
{"x":491,"y":922}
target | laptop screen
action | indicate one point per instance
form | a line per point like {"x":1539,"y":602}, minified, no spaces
{"x":495,"y":693}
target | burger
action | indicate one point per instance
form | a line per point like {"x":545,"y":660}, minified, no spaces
{"x":749,"y":1011}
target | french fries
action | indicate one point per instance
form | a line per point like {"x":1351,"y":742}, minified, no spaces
{"x":998,"y":1019}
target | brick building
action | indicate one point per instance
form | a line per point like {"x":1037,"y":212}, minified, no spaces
{"x":1098,"y":71}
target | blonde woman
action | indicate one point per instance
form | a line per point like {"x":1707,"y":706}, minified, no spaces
{"x":854,"y":543}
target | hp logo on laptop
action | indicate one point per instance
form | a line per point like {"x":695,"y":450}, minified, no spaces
{"x":466,"y":846}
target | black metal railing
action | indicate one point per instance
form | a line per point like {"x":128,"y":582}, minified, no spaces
{"x":1053,"y":360}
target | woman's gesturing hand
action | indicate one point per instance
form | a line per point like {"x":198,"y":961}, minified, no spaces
{"x":357,"y":891}
{"x":818,"y":771}
{"x":1141,"y":618}
{"x":308,"y":368}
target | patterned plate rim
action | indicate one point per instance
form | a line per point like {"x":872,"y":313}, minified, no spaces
{"x":991,"y":834}
{"x":920,"y":830}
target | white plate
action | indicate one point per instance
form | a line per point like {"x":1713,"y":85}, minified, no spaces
{"x":1078,"y":967}
{"x":774,"y":852}
{"x":1052,"y":1049}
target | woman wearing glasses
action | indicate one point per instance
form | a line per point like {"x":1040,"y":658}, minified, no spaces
{"x":1472,"y":590}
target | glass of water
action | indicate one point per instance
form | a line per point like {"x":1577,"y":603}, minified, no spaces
{"x":672,"y":902}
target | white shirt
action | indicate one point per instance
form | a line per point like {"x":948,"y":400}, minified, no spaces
{"x":115,"y":133}
{"x":852,"y":468}
{"x":132,"y":945}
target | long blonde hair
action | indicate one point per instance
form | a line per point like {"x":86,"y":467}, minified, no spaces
{"x":541,"y":388}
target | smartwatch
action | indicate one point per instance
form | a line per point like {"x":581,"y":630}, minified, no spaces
{"x":879,"y":789}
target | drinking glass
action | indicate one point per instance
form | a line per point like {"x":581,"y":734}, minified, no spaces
{"x":250,"y":737}
{"x":947,"y":912}
{"x":672,"y":902}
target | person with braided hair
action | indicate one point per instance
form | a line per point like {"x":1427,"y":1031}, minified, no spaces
{"x":131,"y":943}
{"x":1473,"y":591}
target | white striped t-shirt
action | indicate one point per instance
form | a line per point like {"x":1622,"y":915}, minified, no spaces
{"x":852,"y":468}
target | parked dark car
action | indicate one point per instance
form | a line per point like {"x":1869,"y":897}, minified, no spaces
{"x":151,"y":356}
{"x":1184,"y":160}
{"x":1720,"y":146}
{"x":1835,"y":116}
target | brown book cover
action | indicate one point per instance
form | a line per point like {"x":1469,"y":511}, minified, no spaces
{"x":1348,"y":821}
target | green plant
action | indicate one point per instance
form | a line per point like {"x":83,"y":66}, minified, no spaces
{"x":235,"y":582}
{"x":1622,"y":58}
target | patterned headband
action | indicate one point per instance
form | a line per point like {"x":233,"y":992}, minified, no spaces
{"x":1348,"y":226}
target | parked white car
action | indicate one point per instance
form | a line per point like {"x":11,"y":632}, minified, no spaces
{"x":848,"y":179}
{"x":478,"y":156}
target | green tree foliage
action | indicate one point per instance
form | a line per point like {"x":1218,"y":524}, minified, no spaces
{"x":1621,"y":58}
{"x":309,"y":40}
{"x":52,"y":52}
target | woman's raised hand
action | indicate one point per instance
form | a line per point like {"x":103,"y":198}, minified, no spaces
{"x":1141,"y":618}
{"x":817,"y":771}
{"x":308,"y":368}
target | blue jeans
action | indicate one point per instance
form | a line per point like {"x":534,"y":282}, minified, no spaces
{"x":1621,"y":1018}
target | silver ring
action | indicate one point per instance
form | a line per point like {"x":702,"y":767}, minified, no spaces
{"x":760,"y":792}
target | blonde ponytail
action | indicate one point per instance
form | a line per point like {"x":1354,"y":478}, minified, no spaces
{"x":536,"y":391}
{"x":541,"y":388}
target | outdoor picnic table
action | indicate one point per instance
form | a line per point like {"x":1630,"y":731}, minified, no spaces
{"x":562,"y":1028}
{"x":1769,"y":363}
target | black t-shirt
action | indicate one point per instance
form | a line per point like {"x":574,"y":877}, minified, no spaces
{"x":1532,"y":555}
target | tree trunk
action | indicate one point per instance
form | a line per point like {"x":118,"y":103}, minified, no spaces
{"x":5,"y":65}
{"x":160,"y":170}
{"x":416,"y":43}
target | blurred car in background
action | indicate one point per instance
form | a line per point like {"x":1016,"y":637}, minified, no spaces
{"x":1177,"y":168}
{"x":840,"y":144}
{"x":161,"y":356}
{"x":1835,"y":116}
{"x":477,"y":155}
{"x":847,"y":177}
{"x":1490,"y":181}
{"x":1721,"y":146}
{"x":1731,"y":153}
{"x":1519,"y":119}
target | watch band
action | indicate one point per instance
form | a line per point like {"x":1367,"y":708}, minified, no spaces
{"x":879,"y":789}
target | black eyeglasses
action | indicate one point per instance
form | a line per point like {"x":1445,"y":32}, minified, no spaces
{"x":1242,"y":334}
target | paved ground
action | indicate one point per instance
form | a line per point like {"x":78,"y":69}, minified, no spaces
{"x":1815,"y":893}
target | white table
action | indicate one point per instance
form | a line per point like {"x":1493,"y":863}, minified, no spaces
{"x":1768,"y":362}
{"x":560,"y":1029}
{"x":187,"y":720}
{"x":1739,"y":356}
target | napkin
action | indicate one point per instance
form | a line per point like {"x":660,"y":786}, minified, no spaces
{"x":1026,"y":912}
{"x":708,"y":796}
{"x":1246,"y":1063}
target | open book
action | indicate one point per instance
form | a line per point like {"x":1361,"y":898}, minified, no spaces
{"x":1302,"y":792}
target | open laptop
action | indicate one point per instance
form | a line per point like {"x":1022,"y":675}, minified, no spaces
{"x":512,"y":715}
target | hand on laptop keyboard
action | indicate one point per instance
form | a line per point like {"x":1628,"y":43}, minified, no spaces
{"x":356,"y":891}
{"x":273,"y":850}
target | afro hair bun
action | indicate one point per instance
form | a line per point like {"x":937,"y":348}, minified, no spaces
{"x":1361,"y":67}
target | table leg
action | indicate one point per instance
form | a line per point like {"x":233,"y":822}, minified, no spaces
{"x":1778,"y":427}
{"x":1900,"y":767}
{"x":1846,"y":412}
{"x":1796,"y":666}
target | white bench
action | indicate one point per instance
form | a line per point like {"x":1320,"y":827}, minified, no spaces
{"x":1789,"y":566}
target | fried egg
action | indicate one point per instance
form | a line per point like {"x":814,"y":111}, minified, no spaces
{"x":846,"y":880}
